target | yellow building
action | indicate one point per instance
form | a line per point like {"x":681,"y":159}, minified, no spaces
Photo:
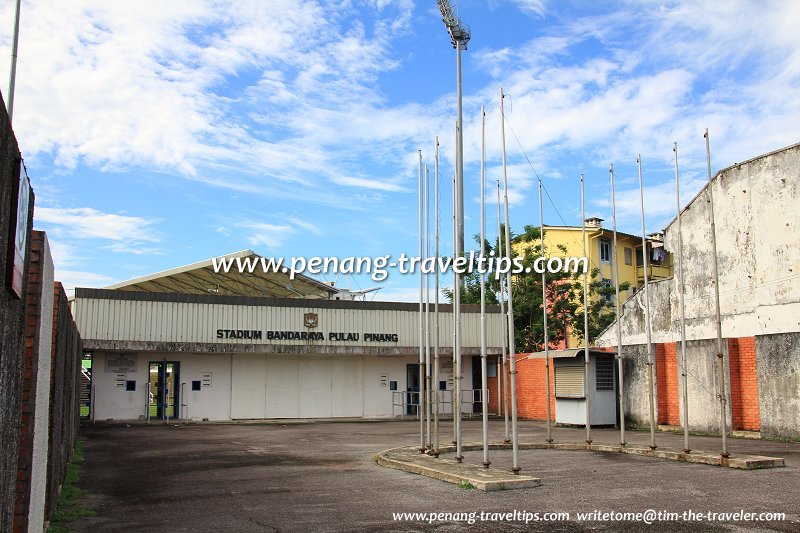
{"x":567,"y":241}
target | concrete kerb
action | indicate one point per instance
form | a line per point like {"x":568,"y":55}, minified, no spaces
{"x":409,"y":459}
{"x":739,"y":461}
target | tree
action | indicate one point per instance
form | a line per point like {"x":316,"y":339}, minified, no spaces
{"x":564,"y":296}
{"x":471,"y":282}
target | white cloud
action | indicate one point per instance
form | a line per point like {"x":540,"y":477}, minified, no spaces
{"x":366,"y":183}
{"x":659,"y":201}
{"x":534,"y":7}
{"x":305,"y":225}
{"x":599,"y":89}
{"x":126,"y":248}
{"x":69,"y":257}
{"x":271,"y":236}
{"x":64,"y":255}
{"x":89,"y":223}
{"x":404,"y":295}
{"x":75,"y":278}
{"x":172,"y":88}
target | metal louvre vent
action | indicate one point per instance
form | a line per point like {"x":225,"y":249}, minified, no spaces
{"x":604,"y":374}
{"x":569,"y":381}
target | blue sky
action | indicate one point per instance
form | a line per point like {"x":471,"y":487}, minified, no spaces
{"x":159,"y":134}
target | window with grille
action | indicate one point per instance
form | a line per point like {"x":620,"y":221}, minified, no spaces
{"x":605,"y":250}
{"x":628,"y":256}
{"x":604,"y":374}
{"x":569,"y":381}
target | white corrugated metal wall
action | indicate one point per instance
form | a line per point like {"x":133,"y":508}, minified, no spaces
{"x":129,"y":320}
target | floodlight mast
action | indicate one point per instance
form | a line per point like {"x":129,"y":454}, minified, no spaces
{"x":459,"y":37}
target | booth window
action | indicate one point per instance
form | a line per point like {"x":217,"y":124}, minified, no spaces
{"x":604,"y":374}
{"x":569,"y":381}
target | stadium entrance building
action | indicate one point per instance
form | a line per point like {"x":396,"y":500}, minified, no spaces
{"x":191,"y":343}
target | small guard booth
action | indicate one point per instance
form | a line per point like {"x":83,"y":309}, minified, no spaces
{"x":570,"y":392}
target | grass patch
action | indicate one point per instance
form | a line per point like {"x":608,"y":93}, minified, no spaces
{"x":70,"y":507}
{"x":466,"y":485}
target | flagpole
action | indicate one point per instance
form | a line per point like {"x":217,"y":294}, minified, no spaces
{"x":681,"y":289}
{"x":427,"y":312}
{"x":503,"y":313}
{"x":586,"y":388}
{"x":650,"y":362}
{"x":544,"y":319}
{"x":421,"y":321}
{"x":620,"y":365}
{"x":718,"y":317}
{"x":484,"y":377}
{"x":436,"y":302}
{"x":513,"y":365}
{"x":455,"y":334}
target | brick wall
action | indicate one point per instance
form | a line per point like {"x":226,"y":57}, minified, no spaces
{"x":667,"y":384}
{"x":532,"y":390}
{"x":744,"y":383}
{"x":744,"y":387}
{"x":64,"y":395}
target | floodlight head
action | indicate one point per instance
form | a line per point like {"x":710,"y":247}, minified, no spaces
{"x":459,"y":32}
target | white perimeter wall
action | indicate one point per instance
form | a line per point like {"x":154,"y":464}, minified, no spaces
{"x":758,"y":252}
{"x":41,"y":429}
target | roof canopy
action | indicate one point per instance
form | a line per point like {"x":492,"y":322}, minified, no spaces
{"x":201,"y":278}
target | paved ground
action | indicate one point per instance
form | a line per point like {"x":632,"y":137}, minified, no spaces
{"x":322,"y":477}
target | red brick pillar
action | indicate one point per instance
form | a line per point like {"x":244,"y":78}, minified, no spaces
{"x":744,"y":384}
{"x":667,"y":384}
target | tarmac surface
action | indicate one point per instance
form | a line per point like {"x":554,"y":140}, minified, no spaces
{"x":322,"y":476}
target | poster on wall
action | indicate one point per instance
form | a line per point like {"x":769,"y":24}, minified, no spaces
{"x":18,"y":231}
